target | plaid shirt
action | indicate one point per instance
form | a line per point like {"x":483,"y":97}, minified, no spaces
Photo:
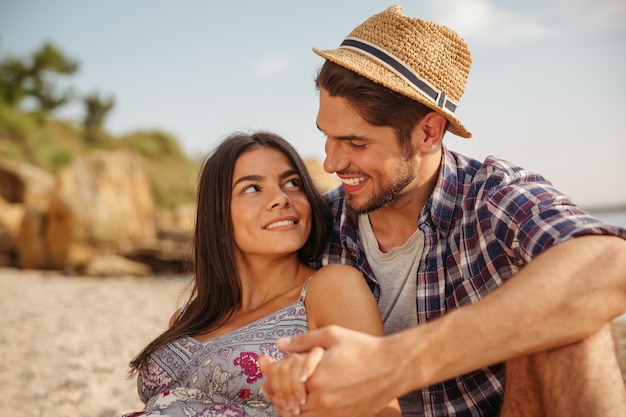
{"x":482,"y":224}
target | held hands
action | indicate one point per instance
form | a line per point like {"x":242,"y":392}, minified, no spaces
{"x":350,"y":376}
{"x":285,"y":387}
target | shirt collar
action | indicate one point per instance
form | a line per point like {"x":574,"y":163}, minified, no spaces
{"x":443,"y":201}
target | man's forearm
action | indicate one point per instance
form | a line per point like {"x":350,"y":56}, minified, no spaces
{"x":563,"y":296}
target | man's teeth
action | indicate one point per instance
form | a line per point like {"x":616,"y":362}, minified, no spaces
{"x":280,"y":223}
{"x":352,"y":181}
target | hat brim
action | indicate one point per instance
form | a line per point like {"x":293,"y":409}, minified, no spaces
{"x":372,"y":70}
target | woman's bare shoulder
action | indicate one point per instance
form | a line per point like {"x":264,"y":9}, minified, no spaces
{"x":338,"y":294}
{"x":337,"y":277}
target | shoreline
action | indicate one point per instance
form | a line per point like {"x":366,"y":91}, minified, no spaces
{"x":66,"y":341}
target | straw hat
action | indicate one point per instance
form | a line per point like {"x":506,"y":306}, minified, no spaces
{"x":422,"y":60}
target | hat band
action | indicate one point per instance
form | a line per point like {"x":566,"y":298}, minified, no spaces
{"x":402,"y":70}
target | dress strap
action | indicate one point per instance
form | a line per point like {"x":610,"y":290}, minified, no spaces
{"x":304,"y":288}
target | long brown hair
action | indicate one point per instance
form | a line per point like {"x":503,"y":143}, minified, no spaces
{"x":377,"y":104}
{"x":216,"y":290}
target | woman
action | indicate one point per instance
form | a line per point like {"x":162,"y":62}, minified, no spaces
{"x":259,"y":221}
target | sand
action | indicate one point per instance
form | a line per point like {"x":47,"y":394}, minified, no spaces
{"x":65,"y":342}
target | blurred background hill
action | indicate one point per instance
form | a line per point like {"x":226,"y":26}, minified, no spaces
{"x":52,"y":144}
{"x":31,"y":94}
{"x":76,"y":198}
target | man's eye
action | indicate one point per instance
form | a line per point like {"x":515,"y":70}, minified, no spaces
{"x":356,"y":144}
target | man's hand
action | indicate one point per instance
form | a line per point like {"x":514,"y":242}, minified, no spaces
{"x":285,"y":386}
{"x":355,"y":377}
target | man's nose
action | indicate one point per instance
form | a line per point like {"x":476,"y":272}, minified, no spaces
{"x":336,"y":159}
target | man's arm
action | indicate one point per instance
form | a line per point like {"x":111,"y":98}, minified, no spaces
{"x":561,"y":297}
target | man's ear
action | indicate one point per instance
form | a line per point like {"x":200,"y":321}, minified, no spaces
{"x":432,"y":126}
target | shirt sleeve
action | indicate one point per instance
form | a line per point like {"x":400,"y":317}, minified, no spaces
{"x":529,"y":217}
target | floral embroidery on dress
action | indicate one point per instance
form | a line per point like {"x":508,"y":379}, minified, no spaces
{"x":218,"y":382}
{"x":249,"y":365}
{"x":245,"y":393}
{"x":190,"y":402}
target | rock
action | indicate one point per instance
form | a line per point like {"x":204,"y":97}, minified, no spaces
{"x":21,"y":186}
{"x":115,"y":265}
{"x":180,"y":220}
{"x":101,"y":204}
{"x":24,"y":183}
{"x":11,"y":216}
{"x":166,"y":256}
{"x":170,"y":252}
{"x":8,"y":253}
{"x":33,"y":252}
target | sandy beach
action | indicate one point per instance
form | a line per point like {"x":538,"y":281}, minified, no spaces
{"x":65,"y":341}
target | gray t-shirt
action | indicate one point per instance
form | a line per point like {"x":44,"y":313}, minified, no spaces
{"x":396,"y":272}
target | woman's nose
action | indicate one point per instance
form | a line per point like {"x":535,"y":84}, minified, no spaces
{"x":279,"y":199}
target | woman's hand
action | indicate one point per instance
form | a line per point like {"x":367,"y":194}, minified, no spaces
{"x":285,"y":385}
{"x":357,"y":375}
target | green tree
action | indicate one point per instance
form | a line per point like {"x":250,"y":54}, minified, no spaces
{"x":96,"y":111}
{"x":20,"y":79}
{"x":13,"y":74}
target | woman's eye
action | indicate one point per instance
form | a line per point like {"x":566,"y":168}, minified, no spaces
{"x":292,"y":183}
{"x":251,"y":189}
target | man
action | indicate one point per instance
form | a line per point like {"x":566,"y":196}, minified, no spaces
{"x":495,"y":290}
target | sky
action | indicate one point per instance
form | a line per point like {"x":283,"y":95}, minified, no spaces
{"x":546,"y":89}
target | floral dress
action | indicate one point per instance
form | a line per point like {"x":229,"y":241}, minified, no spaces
{"x":221,"y":376}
